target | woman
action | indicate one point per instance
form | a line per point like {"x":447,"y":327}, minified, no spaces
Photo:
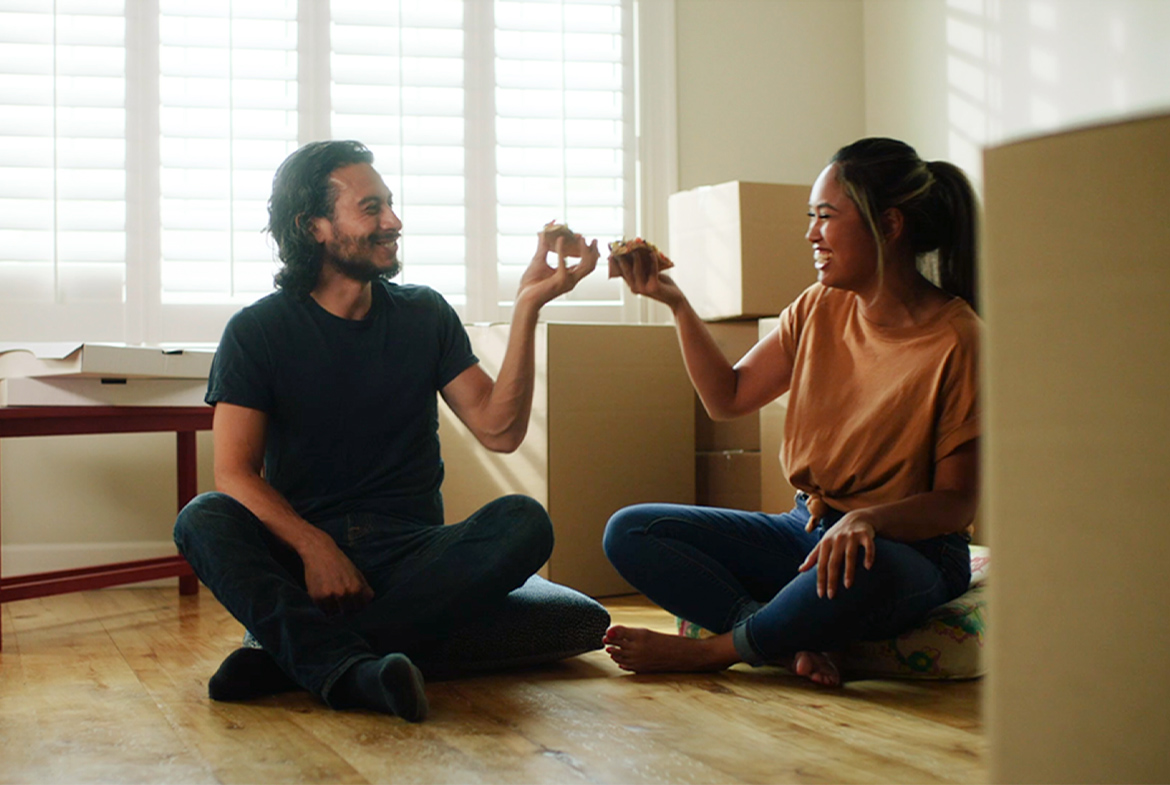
{"x":881,"y":437}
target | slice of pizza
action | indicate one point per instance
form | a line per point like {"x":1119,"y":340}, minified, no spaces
{"x":625,"y":247}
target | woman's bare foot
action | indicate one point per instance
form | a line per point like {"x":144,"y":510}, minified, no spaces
{"x":645,"y":651}
{"x":817,"y":667}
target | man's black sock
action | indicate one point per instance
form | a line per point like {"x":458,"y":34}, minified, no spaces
{"x":247,"y":674}
{"x":391,"y":685}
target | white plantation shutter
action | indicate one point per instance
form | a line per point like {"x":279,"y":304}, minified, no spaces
{"x":62,"y":155}
{"x":227,"y":118}
{"x":138,"y":139}
{"x":397,"y":85}
{"x":563,"y":124}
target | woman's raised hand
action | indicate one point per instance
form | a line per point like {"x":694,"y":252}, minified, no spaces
{"x":640,"y":269}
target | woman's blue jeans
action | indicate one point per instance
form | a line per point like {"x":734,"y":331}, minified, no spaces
{"x":427,"y":579}
{"x":735,"y":571}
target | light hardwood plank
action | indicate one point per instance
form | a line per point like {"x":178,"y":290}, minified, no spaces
{"x":18,"y":735}
{"x":92,"y":720}
{"x":172,"y":656}
{"x":111,"y":686}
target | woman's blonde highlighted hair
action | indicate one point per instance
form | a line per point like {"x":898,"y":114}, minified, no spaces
{"x":936,"y":200}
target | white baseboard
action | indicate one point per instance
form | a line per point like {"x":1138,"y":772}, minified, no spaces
{"x":24,"y":559}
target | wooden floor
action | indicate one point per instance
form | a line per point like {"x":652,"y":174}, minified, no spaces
{"x":111,"y":686}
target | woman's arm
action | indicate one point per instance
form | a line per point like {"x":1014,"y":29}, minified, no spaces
{"x":949,"y":507}
{"x":727,"y":391}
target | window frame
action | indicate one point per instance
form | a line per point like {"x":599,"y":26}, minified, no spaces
{"x":650,"y":175}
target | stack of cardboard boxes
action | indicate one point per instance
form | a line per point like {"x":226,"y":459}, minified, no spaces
{"x":741,"y":257}
{"x":615,"y":420}
{"x":612,"y":425}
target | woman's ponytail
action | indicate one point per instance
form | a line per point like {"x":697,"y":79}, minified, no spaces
{"x":935,"y":198}
{"x":956,"y":222}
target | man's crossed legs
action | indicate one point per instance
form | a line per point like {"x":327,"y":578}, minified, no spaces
{"x":430,"y":582}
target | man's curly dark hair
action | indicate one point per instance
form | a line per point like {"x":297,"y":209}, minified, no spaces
{"x":301,"y":191}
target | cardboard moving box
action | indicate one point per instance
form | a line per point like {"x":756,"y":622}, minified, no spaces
{"x":735,"y":339}
{"x":728,"y":478}
{"x":612,"y":425}
{"x":776,"y":494}
{"x":1075,"y":269}
{"x":739,"y":248}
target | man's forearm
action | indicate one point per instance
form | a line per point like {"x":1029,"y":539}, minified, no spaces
{"x":497,"y":411}
{"x":272,"y":509}
{"x":507,"y":411}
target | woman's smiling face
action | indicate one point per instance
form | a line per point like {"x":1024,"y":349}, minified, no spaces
{"x":844,"y":250}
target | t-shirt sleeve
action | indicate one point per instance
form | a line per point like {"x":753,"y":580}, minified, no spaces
{"x":455,"y":355}
{"x":241,"y":371}
{"x":794,"y":317}
{"x":959,"y":416}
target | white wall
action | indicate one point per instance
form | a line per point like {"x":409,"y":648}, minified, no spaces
{"x":71,"y":501}
{"x":767,"y":89}
{"x":950,"y":76}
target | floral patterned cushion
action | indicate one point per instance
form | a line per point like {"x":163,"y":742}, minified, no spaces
{"x":947,"y":645}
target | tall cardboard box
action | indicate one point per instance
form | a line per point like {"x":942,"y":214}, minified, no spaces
{"x":739,"y":248}
{"x":776,"y":494}
{"x":727,"y":452}
{"x":1074,"y":280}
{"x":729,"y":478}
{"x":735,"y":339}
{"x":612,"y":425}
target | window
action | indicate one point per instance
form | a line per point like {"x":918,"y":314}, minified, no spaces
{"x":138,"y":140}
{"x":562,"y":140}
{"x":397,"y":84}
{"x":227,"y":108}
{"x":63,"y":197}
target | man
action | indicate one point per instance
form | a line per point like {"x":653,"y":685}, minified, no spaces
{"x":325,"y":538}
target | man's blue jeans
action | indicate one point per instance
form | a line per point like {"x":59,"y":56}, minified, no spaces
{"x":427,"y":579}
{"x":735,"y":571}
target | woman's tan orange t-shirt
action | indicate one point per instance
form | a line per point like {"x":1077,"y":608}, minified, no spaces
{"x":873,"y":409}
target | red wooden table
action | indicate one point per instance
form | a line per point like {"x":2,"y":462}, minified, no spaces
{"x":71,"y":420}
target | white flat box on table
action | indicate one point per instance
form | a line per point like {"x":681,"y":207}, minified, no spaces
{"x":739,"y":248}
{"x":95,"y":391}
{"x":102,"y":360}
{"x":612,"y":425}
{"x":101,"y":374}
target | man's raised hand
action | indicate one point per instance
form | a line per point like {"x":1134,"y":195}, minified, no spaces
{"x":542,"y":282}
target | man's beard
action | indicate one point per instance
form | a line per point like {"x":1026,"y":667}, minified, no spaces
{"x":353,"y":258}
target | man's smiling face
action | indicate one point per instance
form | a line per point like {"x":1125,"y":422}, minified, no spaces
{"x":361,"y":237}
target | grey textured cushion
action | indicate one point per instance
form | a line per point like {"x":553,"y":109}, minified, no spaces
{"x":537,"y":623}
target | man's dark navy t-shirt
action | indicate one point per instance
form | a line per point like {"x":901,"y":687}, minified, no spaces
{"x":352,"y":406}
